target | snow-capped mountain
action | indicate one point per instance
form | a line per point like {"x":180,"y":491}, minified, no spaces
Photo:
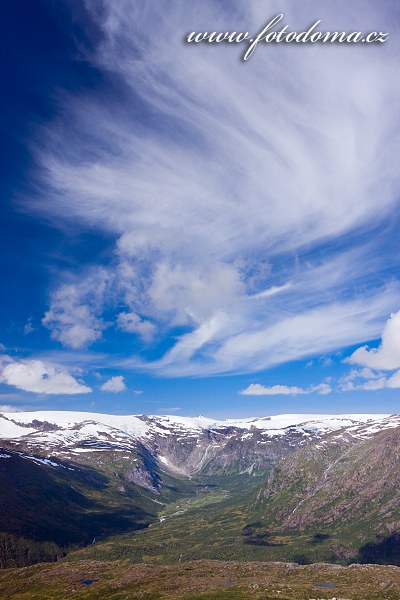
{"x":180,"y":444}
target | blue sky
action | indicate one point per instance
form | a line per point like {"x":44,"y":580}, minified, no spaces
{"x":184,"y":232}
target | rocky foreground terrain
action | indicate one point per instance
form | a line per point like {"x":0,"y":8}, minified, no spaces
{"x":200,"y":580}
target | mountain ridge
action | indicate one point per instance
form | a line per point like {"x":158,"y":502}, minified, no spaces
{"x":179,"y":444}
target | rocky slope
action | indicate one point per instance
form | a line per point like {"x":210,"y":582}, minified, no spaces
{"x":342,"y":487}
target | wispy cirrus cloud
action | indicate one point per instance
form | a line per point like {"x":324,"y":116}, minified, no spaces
{"x":240,"y":196}
{"x":256,"y":389}
{"x":228,"y":343}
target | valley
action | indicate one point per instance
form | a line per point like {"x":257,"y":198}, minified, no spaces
{"x":139,"y":492}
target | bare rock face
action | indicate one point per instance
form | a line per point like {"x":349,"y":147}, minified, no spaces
{"x":144,"y":473}
{"x":141,"y":477}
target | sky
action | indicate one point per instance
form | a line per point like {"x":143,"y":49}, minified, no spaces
{"x":186,"y":232}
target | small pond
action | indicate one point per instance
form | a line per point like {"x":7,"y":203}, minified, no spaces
{"x":88,"y":581}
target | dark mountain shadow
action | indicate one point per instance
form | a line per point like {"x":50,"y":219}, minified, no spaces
{"x":52,"y":509}
{"x":386,"y":551}
{"x":318,"y":538}
{"x":254,"y":534}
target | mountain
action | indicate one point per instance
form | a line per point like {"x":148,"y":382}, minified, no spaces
{"x":258,"y":487}
{"x":177,"y":444}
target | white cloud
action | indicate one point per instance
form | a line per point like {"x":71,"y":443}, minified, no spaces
{"x":326,"y":361}
{"x":7,"y":408}
{"x":387,"y":355}
{"x":275,"y":289}
{"x":72,"y":317}
{"x":363,"y":373}
{"x":137,"y":392}
{"x":368,"y":380}
{"x":36,"y":376}
{"x":394,"y":380}
{"x":219,"y":215}
{"x":5,"y":359}
{"x":322,"y":388}
{"x":230,"y":342}
{"x":114,"y":384}
{"x":132,"y":323}
{"x":193,"y":293}
{"x":256,"y":389}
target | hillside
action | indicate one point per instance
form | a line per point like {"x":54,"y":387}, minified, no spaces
{"x":345,"y":490}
